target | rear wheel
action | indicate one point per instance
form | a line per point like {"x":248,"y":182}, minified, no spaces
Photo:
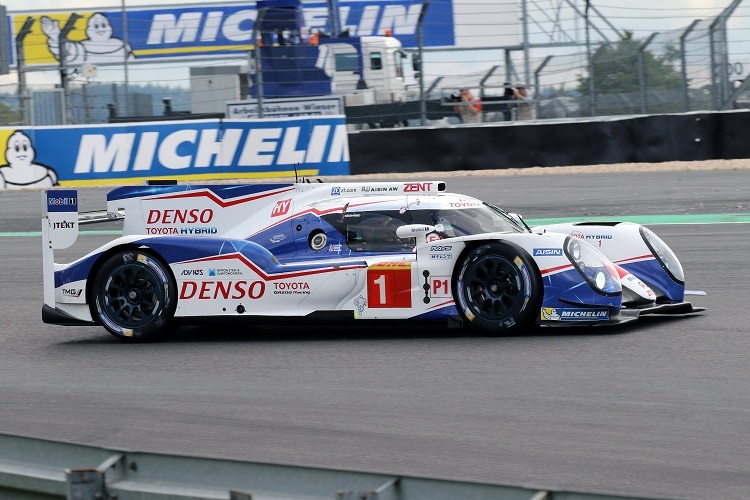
{"x":134,"y":296}
{"x":498,"y":288}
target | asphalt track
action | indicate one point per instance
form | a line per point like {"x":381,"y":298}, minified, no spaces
{"x":658,"y":408}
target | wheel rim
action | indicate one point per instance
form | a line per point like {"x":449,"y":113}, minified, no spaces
{"x":494,"y":288}
{"x":132,"y":295}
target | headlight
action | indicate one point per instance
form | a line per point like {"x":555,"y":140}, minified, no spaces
{"x":595,"y":268}
{"x":575,"y":249}
{"x":664,"y":255}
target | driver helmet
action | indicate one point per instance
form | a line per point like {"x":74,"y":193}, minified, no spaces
{"x":447,"y":226}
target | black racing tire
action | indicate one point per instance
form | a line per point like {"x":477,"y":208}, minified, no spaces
{"x":498,"y":289}
{"x":134,"y":296}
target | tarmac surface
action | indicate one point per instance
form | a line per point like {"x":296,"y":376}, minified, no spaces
{"x":658,"y":408}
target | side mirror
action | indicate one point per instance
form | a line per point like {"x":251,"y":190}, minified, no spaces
{"x":416,"y":62}
{"x":519,"y":220}
{"x":517,"y":217}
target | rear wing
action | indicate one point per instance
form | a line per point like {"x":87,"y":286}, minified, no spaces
{"x":59,"y":230}
{"x":60,"y":222}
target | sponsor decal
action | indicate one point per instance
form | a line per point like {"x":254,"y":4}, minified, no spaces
{"x":422,"y":229}
{"x":186,"y":216}
{"x":465,"y":204}
{"x":278,"y":238}
{"x":416,"y":187}
{"x":391,"y":265}
{"x":296,"y":288}
{"x":63,"y":201}
{"x":632,"y":279}
{"x":182,"y":230}
{"x":526,"y":280}
{"x":338,"y":190}
{"x":192,"y":216}
{"x":354,"y":215}
{"x":582,"y":236}
{"x":192,"y":272}
{"x":281,"y":208}
{"x":223,"y":271}
{"x":548,"y":252}
{"x":440,"y":287}
{"x":433,"y":237}
{"x":63,"y":225}
{"x":441,"y":248}
{"x":440,"y":256}
{"x":573,"y":314}
{"x":72,"y":292}
{"x":462,"y":298}
{"x":334,"y":247}
{"x":198,"y":230}
{"x":205,"y":290}
{"x":379,"y":189}
{"x":360,"y":302}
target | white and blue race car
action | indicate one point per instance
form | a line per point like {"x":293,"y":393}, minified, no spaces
{"x":365,"y":251}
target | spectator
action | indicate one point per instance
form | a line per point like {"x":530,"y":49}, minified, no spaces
{"x":469,"y":107}
{"x":525,"y":109}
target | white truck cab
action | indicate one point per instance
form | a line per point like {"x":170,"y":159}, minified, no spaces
{"x":383,"y":69}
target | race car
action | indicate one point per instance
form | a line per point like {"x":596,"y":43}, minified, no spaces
{"x":350,"y":251}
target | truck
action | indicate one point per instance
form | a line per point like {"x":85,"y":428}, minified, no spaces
{"x":373,"y":74}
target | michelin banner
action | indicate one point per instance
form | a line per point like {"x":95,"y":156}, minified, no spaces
{"x":184,"y":150}
{"x":158,"y":33}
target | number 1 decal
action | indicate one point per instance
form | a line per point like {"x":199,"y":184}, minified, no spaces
{"x":389,"y":285}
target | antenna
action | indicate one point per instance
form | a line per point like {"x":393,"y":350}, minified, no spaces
{"x":296,"y":178}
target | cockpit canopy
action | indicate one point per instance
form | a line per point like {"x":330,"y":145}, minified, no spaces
{"x":373,"y":229}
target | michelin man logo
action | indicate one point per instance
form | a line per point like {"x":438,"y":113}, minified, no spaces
{"x":550,"y":314}
{"x":99,"y":47}
{"x":21,"y":170}
{"x":360,"y":302}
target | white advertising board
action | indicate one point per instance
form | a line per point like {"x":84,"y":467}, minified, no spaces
{"x":286,"y":108}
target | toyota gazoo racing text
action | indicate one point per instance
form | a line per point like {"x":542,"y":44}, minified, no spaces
{"x":365,"y":251}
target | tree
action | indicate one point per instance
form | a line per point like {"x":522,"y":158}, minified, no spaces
{"x":617,"y":77}
{"x":8,"y":116}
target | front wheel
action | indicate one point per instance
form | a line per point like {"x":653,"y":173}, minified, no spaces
{"x":498,"y":288}
{"x":134,"y":296}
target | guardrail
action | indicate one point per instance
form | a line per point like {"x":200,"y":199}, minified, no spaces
{"x":37,"y":468}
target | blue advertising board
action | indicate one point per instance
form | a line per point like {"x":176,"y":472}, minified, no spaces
{"x":155,"y":33}
{"x":188,"y":150}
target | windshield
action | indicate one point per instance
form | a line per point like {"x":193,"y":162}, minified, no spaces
{"x":474,"y":220}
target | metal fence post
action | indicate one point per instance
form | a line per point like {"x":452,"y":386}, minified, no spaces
{"x":537,"y":71}
{"x":642,"y":71}
{"x":683,"y":61}
{"x":719,"y":61}
{"x":420,"y":48}
{"x":485,"y":78}
{"x":256,"y":53}
{"x":63,"y":41}
{"x":128,"y":111}
{"x":23,"y":91}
